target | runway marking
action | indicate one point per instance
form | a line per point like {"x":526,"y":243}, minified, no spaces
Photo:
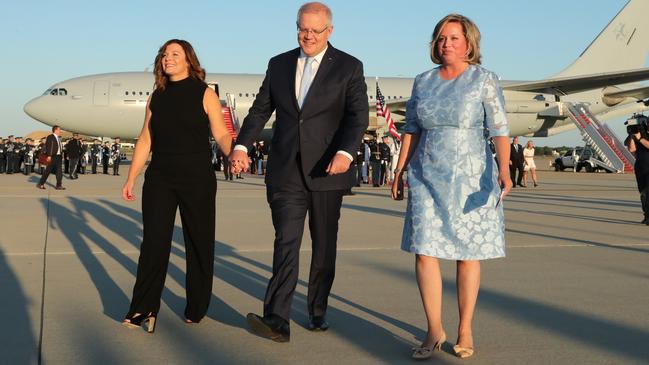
{"x":358,"y":249}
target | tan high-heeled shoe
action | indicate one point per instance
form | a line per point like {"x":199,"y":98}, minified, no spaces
{"x":423,"y":352}
{"x":463,"y":352}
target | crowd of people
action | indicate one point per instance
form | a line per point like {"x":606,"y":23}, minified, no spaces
{"x":21,"y":155}
{"x":376,"y":161}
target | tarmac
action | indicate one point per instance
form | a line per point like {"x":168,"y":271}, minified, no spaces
{"x":573,"y":289}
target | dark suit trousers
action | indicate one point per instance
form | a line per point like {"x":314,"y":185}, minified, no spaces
{"x":512,"y":172}
{"x":74,"y":164}
{"x":116,"y":166}
{"x":289,"y":205}
{"x":57,"y":166}
{"x":196,"y":201}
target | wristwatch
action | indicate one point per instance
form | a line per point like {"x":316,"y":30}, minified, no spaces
{"x":397,"y":170}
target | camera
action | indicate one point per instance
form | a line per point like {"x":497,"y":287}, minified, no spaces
{"x":637,"y":123}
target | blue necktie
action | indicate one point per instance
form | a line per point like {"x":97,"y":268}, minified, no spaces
{"x":306,"y":81}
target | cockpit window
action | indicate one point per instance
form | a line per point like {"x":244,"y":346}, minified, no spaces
{"x":59,"y":91}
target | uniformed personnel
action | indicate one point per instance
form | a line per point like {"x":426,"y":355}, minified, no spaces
{"x":116,"y":155}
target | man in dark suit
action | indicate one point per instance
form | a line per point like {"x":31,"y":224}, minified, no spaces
{"x":516,"y":163}
{"x":74,"y":150}
{"x":54,"y":152}
{"x":319,"y":96}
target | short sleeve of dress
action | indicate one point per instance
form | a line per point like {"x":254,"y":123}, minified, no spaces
{"x":494,"y":107}
{"x":412,"y":120}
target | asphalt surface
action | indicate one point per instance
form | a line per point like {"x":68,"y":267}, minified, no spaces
{"x":573,"y":289}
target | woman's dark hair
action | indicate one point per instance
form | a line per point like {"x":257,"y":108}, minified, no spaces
{"x":195,"y":69}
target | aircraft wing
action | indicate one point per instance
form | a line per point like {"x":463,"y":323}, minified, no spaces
{"x":575,"y":84}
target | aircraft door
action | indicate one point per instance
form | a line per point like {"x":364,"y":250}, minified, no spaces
{"x":100,"y":96}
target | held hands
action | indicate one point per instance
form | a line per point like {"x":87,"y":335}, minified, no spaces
{"x":127,"y":191}
{"x":338,"y":165}
{"x":239,"y":161}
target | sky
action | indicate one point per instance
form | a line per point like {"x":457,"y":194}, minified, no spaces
{"x":44,"y":42}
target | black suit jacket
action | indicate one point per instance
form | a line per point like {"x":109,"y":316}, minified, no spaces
{"x":334,"y":117}
{"x":74,"y":148}
{"x":516,"y":156}
{"x":51,"y":145}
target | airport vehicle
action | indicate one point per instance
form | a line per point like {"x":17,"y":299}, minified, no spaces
{"x":579,"y":158}
{"x":602,"y":79}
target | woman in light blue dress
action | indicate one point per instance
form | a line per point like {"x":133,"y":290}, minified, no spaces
{"x":456,"y":187}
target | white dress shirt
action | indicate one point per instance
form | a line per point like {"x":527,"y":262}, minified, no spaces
{"x":299,"y":70}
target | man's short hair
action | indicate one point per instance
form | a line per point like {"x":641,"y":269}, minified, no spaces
{"x":316,"y":7}
{"x":54,"y":128}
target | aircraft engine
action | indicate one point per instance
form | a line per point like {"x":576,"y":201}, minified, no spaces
{"x":611,"y":100}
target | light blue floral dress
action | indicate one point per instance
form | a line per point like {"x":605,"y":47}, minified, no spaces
{"x":452,"y":210}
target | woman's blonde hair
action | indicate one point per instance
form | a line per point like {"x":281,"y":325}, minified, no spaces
{"x":471,"y":33}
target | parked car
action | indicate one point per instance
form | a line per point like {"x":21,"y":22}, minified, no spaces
{"x":568,"y":159}
{"x":579,"y":158}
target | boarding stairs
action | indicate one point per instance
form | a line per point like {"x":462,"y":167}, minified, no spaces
{"x":615,"y":157}
{"x":228,"y":108}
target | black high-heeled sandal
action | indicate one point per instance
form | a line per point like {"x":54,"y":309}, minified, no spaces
{"x":137,"y":320}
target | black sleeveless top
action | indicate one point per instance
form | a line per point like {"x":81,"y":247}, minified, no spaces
{"x":180,"y":132}
{"x":179,"y":124}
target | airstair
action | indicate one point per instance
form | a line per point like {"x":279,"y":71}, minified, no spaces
{"x":228,"y":108}
{"x":602,"y":140}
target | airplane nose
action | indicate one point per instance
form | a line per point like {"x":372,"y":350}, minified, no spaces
{"x":30,"y":108}
{"x":36,"y":109}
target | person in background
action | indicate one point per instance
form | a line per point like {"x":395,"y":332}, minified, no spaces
{"x":3,"y":156}
{"x":86,"y":159}
{"x":375,"y":162}
{"x":74,"y":151}
{"x":116,"y":155}
{"x":95,"y":154}
{"x":39,"y":148}
{"x":54,"y":152}
{"x":637,"y":142}
{"x":28,"y":156}
{"x":516,"y":163}
{"x":384,"y":150}
{"x":530,"y":166}
{"x":105,"y":157}
{"x":10,"y":151}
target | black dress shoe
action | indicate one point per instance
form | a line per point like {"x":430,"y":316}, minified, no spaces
{"x":59,"y":188}
{"x":272,"y":327}
{"x":318,"y":323}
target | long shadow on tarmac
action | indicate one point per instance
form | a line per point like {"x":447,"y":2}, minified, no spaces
{"x":622,"y":340}
{"x":363,"y":333}
{"x":19,"y":343}
{"x":546,"y":198}
{"x":73,"y":223}
{"x":577,"y":240}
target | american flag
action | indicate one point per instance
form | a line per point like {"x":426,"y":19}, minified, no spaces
{"x":383,"y":111}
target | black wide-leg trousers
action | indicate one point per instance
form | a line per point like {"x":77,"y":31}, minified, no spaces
{"x":198,"y":213}
{"x":290,"y":204}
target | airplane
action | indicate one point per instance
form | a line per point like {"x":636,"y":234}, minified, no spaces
{"x":605,"y":76}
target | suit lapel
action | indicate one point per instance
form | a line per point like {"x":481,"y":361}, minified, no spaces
{"x":291,"y":69}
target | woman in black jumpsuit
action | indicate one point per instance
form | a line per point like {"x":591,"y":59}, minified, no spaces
{"x":180,"y":114}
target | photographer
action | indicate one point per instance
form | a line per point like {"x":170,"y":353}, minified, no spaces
{"x":637,"y":142}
